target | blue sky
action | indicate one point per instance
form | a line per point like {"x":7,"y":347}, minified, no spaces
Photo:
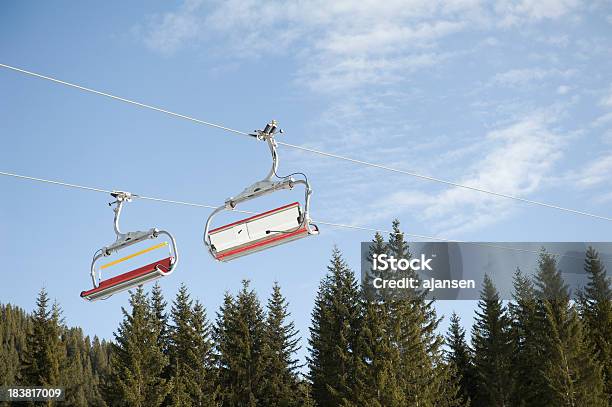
{"x":511,"y":96}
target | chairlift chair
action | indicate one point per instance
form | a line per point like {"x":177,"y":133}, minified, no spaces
{"x":268,"y":229}
{"x":104,"y":288}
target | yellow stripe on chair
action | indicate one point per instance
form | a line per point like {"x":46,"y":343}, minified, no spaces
{"x":131,"y":256}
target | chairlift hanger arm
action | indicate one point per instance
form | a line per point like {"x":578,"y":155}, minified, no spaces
{"x":266,"y":185}
{"x":120,"y":198}
{"x":125,"y":239}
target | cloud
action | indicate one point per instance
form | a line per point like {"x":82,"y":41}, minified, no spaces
{"x":521,"y":77}
{"x":563,"y":89}
{"x":603,"y":120}
{"x":384,"y":39}
{"x":606,"y":101}
{"x":604,"y":198}
{"x":366,"y":58}
{"x":606,"y":117}
{"x":341,"y":44}
{"x":596,"y":173}
{"x":517,"y":12}
{"x":169,"y":32}
{"x":562,"y":41}
{"x":515,"y":160}
{"x":347,"y":73}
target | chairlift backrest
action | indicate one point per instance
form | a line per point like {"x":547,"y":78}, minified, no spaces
{"x":259,"y":232}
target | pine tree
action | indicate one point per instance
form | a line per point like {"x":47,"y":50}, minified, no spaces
{"x":595,"y":306}
{"x":377,"y":247}
{"x":99,"y":356}
{"x":137,"y":359}
{"x":14,"y":326}
{"x":400,"y":357}
{"x":378,"y":383}
{"x":44,"y":350}
{"x":424,"y":376}
{"x":527,"y":341}
{"x":29,"y":342}
{"x":93,"y":391}
{"x":158,"y":305}
{"x":189,"y":350}
{"x":181,"y":356}
{"x":77,"y":376}
{"x":281,"y":344}
{"x":304,"y":391}
{"x":240,"y":332}
{"x":461,"y":359}
{"x":223,"y":332}
{"x":571,"y":372}
{"x":334,"y":336}
{"x":397,"y":245}
{"x":205,"y":358}
{"x":492,"y":349}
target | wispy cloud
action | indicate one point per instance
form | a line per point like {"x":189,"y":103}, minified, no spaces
{"x":384,"y":39}
{"x":516,"y":12}
{"x":366,"y":59}
{"x":335,"y":74}
{"x":341,"y":44}
{"x":603,"y":120}
{"x":596,"y":172}
{"x":606,"y":100}
{"x":515,"y":160}
{"x":168,"y":32}
{"x":563,"y":89}
{"x":521,"y":77}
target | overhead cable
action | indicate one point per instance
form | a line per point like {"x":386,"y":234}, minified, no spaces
{"x":332,"y":224}
{"x":315,"y":151}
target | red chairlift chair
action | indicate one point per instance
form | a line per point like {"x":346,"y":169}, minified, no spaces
{"x":103,"y":289}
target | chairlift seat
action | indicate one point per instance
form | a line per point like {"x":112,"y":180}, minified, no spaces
{"x":102,"y":289}
{"x":259,"y":232}
{"x":130,"y":279}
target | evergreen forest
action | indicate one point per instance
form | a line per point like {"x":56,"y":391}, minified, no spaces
{"x":542,"y":348}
